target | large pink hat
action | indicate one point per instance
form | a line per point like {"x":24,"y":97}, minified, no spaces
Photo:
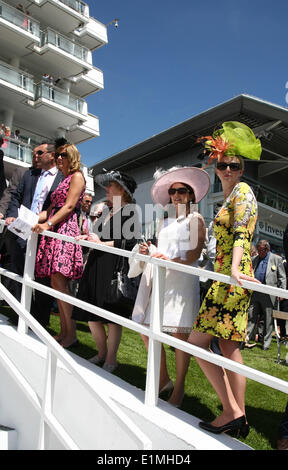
{"x":197,"y":178}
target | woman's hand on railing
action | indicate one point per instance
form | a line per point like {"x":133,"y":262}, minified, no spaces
{"x":160,"y":256}
{"x":92,"y":237}
{"x":38,"y":228}
{"x":237,"y":275}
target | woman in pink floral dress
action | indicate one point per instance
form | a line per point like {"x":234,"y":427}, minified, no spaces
{"x":62,"y":260}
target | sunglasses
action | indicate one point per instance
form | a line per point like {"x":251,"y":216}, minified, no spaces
{"x":233,"y":166}
{"x":40,"y":152}
{"x":172,"y":191}
{"x":62,"y":155}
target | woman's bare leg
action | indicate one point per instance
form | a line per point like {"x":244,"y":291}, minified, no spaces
{"x":99,"y":334}
{"x":218,"y":379}
{"x":164,"y":376}
{"x":230,"y":349}
{"x":114,"y":338}
{"x":68,"y":326}
{"x":182,"y":364}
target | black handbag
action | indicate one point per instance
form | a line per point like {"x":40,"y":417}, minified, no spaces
{"x":122,"y":289}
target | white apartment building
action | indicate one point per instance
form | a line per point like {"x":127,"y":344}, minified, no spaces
{"x":46,"y":72}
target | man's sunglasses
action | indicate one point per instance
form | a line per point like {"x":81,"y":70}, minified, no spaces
{"x":62,"y":155}
{"x":172,"y":191}
{"x":40,"y":152}
{"x":233,"y":166}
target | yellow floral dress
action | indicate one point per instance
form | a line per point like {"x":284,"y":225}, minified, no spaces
{"x":223,"y":312}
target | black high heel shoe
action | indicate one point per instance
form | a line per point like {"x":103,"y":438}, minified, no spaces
{"x":237,"y":427}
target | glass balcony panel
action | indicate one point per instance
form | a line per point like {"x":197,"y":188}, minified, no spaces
{"x":20,"y":19}
{"x":17,"y":151}
{"x":77,"y":5}
{"x":263,"y":194}
{"x":65,"y":44}
{"x":14,"y":77}
{"x":60,"y":97}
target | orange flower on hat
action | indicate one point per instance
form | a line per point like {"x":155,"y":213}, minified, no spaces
{"x":216,"y":145}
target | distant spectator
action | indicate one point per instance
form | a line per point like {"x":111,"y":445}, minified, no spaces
{"x":253,"y":251}
{"x":2,"y":172}
{"x":85,"y":223}
{"x":16,"y":134}
{"x":268,"y":269}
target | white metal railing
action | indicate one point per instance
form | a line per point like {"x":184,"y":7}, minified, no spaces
{"x":54,"y":353}
{"x":154,"y":333}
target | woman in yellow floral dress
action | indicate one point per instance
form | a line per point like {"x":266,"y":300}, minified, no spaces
{"x":224,"y":310}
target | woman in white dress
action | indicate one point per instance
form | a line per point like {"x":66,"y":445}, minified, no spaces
{"x":180,"y":239}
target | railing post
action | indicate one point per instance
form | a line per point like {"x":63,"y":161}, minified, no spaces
{"x":28,"y":275}
{"x":47,"y":404}
{"x":154,"y":350}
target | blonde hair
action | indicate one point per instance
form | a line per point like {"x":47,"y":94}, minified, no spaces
{"x":73,"y":156}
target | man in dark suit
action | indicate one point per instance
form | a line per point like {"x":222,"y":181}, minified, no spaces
{"x":7,"y":238}
{"x":268,"y":269}
{"x":44,"y":167}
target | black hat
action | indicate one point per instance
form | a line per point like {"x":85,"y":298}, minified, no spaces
{"x":126,"y":181}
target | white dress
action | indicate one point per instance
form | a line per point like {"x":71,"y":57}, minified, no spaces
{"x":182,"y":291}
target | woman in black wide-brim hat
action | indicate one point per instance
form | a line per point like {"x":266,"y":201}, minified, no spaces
{"x":100,"y":266}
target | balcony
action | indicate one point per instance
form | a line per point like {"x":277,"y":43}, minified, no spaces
{"x":57,"y":97}
{"x":15,"y":150}
{"x":92,"y":34}
{"x":62,"y":56}
{"x":80,"y":7}
{"x":17,"y":31}
{"x":53,"y":38}
{"x":87,"y":83}
{"x":15,"y":79}
{"x":84,"y":130}
{"x":64,"y":15}
{"x":263,"y":194}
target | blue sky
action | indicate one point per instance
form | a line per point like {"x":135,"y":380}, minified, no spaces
{"x":170,"y":60}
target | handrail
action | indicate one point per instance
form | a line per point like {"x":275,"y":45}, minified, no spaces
{"x":154,"y":333}
{"x":58,"y":352}
{"x":54,"y":353}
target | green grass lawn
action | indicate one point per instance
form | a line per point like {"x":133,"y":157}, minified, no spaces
{"x":265,"y":406}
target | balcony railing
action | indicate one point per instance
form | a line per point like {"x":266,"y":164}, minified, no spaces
{"x":77,"y":5}
{"x":18,"y":18}
{"x":65,"y":44}
{"x":19,"y":151}
{"x":263,"y":194}
{"x":15,"y":77}
{"x":61,"y":97}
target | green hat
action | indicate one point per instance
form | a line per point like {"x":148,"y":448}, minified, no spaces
{"x":234,"y":138}
{"x":241,"y":139}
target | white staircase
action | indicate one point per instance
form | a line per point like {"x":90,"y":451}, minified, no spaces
{"x":119,"y":420}
{"x":8,"y":438}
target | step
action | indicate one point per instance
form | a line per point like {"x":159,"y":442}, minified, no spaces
{"x":8,"y":438}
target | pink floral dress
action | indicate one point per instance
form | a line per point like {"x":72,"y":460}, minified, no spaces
{"x":57,"y":256}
